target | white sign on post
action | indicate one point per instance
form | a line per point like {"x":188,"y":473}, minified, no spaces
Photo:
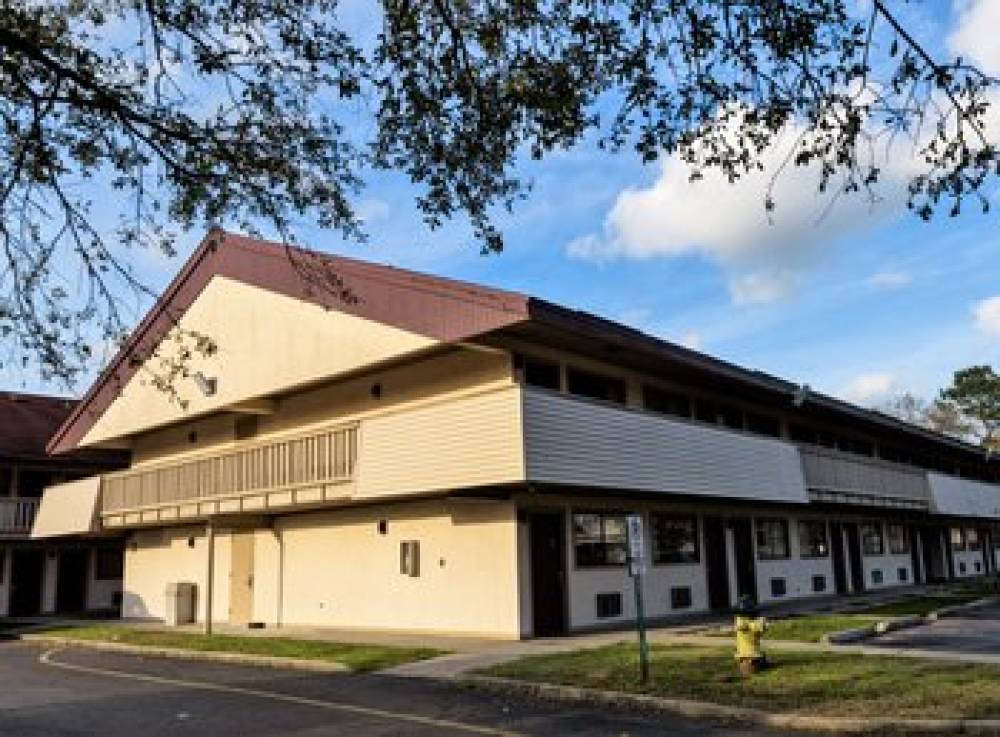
{"x":636,"y":554}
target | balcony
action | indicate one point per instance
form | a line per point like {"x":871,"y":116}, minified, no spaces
{"x":305,"y":469}
{"x":845,"y":478}
{"x":17,"y":516}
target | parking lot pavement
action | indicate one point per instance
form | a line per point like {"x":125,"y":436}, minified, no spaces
{"x":79,"y":693}
{"x":975,"y":631}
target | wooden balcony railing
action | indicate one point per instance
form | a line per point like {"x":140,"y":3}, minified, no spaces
{"x":17,"y":515}
{"x":850,"y":475}
{"x":324,"y":457}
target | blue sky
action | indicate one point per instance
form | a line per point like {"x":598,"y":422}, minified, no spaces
{"x":863,"y":303}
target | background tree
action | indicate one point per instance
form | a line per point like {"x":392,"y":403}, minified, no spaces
{"x":940,"y":415}
{"x":256,"y":113}
{"x":976,"y":392}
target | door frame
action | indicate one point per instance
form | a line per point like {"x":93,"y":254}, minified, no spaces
{"x":558,"y":518}
{"x":248,"y":538}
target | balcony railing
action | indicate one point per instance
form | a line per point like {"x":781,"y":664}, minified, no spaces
{"x":319,"y":458}
{"x":17,"y":515}
{"x":837,"y":476}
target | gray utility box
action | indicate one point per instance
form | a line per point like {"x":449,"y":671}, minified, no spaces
{"x":180,"y":603}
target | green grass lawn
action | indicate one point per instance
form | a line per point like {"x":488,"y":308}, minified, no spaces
{"x":809,"y":683}
{"x":359,"y":658}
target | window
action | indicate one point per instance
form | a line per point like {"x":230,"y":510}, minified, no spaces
{"x":666,"y":402}
{"x":595,"y":386}
{"x":680,"y":597}
{"x":599,"y":539}
{"x":108,"y":564}
{"x":772,"y":539}
{"x":877,"y":576}
{"x":871,"y":538}
{"x":409,"y":558}
{"x":778,"y":588}
{"x":763,"y":424}
{"x":812,"y":539}
{"x":957,"y":538}
{"x":903,"y":575}
{"x":971,"y":539}
{"x":536,"y":372}
{"x":961,"y":567}
{"x":819,"y":584}
{"x":899,"y":540}
{"x":675,"y":538}
{"x":609,"y":605}
{"x":978,"y":566}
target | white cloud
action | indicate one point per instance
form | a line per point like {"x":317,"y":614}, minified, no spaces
{"x":889,"y":280}
{"x":987,"y":315}
{"x":691,"y":339}
{"x":975,"y":37}
{"x":764,"y":257}
{"x":866,"y":388}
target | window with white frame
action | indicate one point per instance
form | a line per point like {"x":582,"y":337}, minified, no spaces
{"x":772,"y":539}
{"x":675,"y":538}
{"x":899,"y":539}
{"x":599,"y":539}
{"x":872,"y":542}
{"x":957,"y":538}
{"x":812,"y":539}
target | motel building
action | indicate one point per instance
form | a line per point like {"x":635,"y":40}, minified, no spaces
{"x":70,"y":574}
{"x":374,"y":448}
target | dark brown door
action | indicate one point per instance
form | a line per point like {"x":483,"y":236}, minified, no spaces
{"x":716,"y":568}
{"x":26,"y":583}
{"x":854,"y":549}
{"x":548,"y":574}
{"x":746,"y":572}
{"x":71,"y":582}
{"x":839,"y":559}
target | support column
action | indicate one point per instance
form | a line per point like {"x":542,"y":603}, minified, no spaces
{"x":209,"y":575}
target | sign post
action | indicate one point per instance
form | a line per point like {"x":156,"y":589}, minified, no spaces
{"x":636,"y":566}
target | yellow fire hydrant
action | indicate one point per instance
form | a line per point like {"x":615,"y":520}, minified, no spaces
{"x":749,"y":627}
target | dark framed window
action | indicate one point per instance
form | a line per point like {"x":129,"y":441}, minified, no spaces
{"x":539,"y":372}
{"x":666,"y":402}
{"x":109,"y":564}
{"x":812,"y":539}
{"x":972,"y":539}
{"x":819,"y":584}
{"x":903,"y":574}
{"x":899,"y":539}
{"x":680,"y":597}
{"x":595,"y":386}
{"x":957,"y":538}
{"x":876,"y":576}
{"x":778,"y":587}
{"x":772,"y":539}
{"x":872,"y":542}
{"x":961,"y":567}
{"x":599,"y":539}
{"x":608,"y":605}
{"x":675,"y":538}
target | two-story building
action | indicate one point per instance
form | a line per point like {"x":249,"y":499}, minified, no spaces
{"x":68,"y":575}
{"x":370,"y":447}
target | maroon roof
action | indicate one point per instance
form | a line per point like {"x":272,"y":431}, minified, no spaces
{"x":445,"y":309}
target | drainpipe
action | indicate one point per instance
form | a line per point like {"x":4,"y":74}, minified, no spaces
{"x":210,"y":534}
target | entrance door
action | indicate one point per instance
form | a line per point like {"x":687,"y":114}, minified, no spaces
{"x":26,"y":583}
{"x":746,"y":572}
{"x":918,"y":569}
{"x":716,"y":568}
{"x":934,"y":563}
{"x":241,"y":577}
{"x":854,"y":550}
{"x":839,"y":559}
{"x":71,"y":581}
{"x":548,"y":574}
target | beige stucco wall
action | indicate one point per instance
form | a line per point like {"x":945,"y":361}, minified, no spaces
{"x":267,"y":342}
{"x":154,"y":558}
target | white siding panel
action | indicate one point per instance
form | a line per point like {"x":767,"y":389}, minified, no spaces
{"x":582,"y":443}
{"x":964,"y":498}
{"x":458,"y":443}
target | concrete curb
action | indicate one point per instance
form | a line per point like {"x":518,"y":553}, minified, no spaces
{"x":732,"y":714}
{"x":957,"y":609}
{"x":859,"y":634}
{"x":260,"y":661}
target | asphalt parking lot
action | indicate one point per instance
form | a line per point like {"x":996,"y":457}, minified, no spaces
{"x":85,"y":693}
{"x":976,"y":631}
